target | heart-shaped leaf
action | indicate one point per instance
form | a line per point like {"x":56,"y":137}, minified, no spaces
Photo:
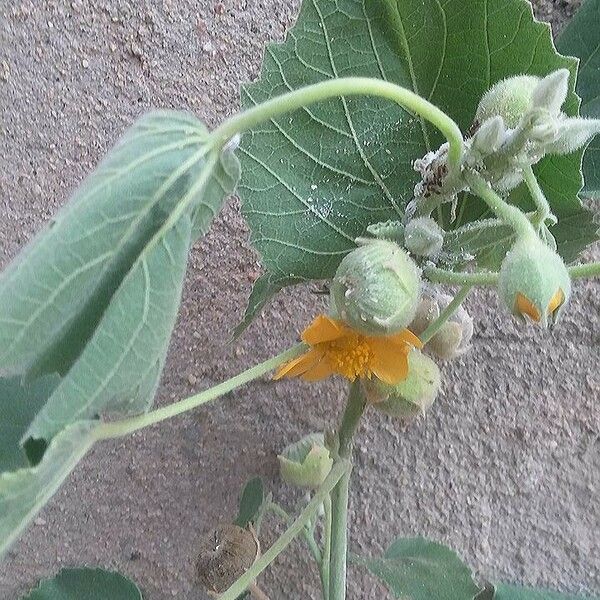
{"x":581,"y":38}
{"x":315,"y":179}
{"x":419,"y":569}
{"x":86,"y":584}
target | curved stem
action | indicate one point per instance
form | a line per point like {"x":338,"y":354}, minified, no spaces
{"x":543,"y":210}
{"x":126,"y":426}
{"x":446,"y":314}
{"x":583,"y":271}
{"x":345,"y":86}
{"x":338,"y":470}
{"x":511,"y":215}
{"x":436,"y":275}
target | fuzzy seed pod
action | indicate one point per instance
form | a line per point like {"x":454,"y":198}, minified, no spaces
{"x":423,"y":237}
{"x":306,"y":463}
{"x":534,"y":281}
{"x":376,"y":288}
{"x":411,"y":397}
{"x":225,"y":555}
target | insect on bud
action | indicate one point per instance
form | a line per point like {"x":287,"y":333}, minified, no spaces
{"x":376,"y":288}
{"x":306,"y":463}
{"x":225,"y":555}
{"x":423,"y":237}
{"x":411,"y":397}
{"x":534,"y":281}
{"x":509,"y":99}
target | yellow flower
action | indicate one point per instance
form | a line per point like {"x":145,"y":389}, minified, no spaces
{"x":336,"y":349}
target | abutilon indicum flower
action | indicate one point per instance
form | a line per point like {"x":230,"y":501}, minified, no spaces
{"x":534,"y":281}
{"x":337,"y":349}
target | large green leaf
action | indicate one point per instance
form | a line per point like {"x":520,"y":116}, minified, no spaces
{"x":18,"y":406}
{"x":95,"y":296}
{"x":581,"y":38}
{"x":315,"y":179}
{"x":25,"y":491}
{"x":512,"y":592}
{"x":419,"y":569}
{"x":86,"y":584}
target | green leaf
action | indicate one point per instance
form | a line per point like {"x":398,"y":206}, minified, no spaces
{"x":313,"y":180}
{"x":23,"y":492}
{"x":18,"y":405}
{"x":419,"y":569}
{"x":581,"y":38}
{"x":251,"y":501}
{"x":86,"y":583}
{"x":511,"y":592}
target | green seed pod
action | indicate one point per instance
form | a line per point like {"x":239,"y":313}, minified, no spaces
{"x":376,"y":288}
{"x":306,"y":463}
{"x":534,"y":281}
{"x":412,"y":396}
{"x":225,"y":555}
{"x":509,"y":99}
{"x":423,"y":237}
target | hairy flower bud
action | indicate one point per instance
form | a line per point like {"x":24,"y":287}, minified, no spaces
{"x":225,"y":555}
{"x":551,"y":92}
{"x":423,"y":237}
{"x":534,"y":281}
{"x":412,"y":396}
{"x":306,"y":463}
{"x":376,"y":288}
{"x":509,"y":99}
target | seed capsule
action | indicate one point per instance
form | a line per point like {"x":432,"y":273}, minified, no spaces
{"x":534,"y":281}
{"x":412,"y":396}
{"x":376,"y":288}
{"x":306,"y":463}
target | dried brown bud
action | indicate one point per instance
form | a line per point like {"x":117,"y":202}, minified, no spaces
{"x":226,"y":554}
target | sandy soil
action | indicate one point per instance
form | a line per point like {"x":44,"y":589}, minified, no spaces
{"x":505,"y":468}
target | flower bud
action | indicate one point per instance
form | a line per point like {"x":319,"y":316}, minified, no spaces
{"x":423,"y":237}
{"x":306,"y":463}
{"x":551,"y":92}
{"x":509,"y":99}
{"x":412,"y":396}
{"x":572,"y":134}
{"x":376,"y":288}
{"x":490,"y":136}
{"x":534,"y":281}
{"x":225,"y":555}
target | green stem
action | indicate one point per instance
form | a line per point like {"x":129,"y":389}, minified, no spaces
{"x":308,"y":535}
{"x":345,"y":86}
{"x":126,"y":426}
{"x":446,"y":314}
{"x":339,"y":497}
{"x":543,"y":210}
{"x":436,"y":275}
{"x":584,"y":271}
{"x":241,"y":585}
{"x":511,"y":215}
{"x":325,"y":571}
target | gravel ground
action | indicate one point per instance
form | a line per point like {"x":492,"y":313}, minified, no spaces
{"x":505,"y":468}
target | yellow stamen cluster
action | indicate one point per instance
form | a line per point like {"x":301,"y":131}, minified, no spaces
{"x":350,"y":356}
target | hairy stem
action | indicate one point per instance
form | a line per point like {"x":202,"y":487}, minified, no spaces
{"x":127,"y":426}
{"x":339,"y":497}
{"x":585,"y":271}
{"x":436,"y":275}
{"x":543,"y":210}
{"x":446,"y":314}
{"x":241,"y":585}
{"x":511,"y":215}
{"x":345,"y":86}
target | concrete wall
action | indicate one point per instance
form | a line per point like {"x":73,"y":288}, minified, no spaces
{"x":505,"y":468}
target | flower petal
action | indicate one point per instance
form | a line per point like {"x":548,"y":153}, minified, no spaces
{"x":300,"y":365}
{"x":390,"y":363}
{"x":323,"y":329}
{"x":319,"y":371}
{"x":406,"y":336}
